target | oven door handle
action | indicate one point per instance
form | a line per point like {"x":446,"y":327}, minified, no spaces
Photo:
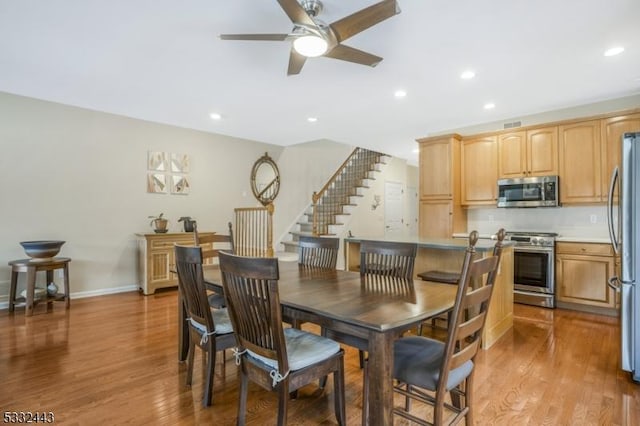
{"x":533,"y":249}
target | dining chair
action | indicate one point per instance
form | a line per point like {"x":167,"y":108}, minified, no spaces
{"x":387,"y":258}
{"x":209,"y":329}
{"x":211,"y":245}
{"x":427,"y":370}
{"x":275,"y":358}
{"x":316,"y":252}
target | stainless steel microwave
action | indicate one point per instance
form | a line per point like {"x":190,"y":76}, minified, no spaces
{"x":537,"y":191}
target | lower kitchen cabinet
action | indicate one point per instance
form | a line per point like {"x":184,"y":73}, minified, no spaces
{"x":582,"y":271}
{"x":157,"y":260}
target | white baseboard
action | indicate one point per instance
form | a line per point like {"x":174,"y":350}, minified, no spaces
{"x":91,"y":293}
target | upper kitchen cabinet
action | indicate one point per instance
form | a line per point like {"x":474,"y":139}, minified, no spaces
{"x":479,"y":170}
{"x":439,"y":167}
{"x":580,"y":163}
{"x":440,"y":212}
{"x":530,"y":153}
{"x":612,"y":130}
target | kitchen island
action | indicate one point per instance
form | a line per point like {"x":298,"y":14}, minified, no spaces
{"x":447,"y":255}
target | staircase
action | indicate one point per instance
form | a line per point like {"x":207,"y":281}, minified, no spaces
{"x":330,"y":207}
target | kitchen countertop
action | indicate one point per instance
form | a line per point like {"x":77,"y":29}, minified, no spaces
{"x":438,"y":243}
{"x":600,"y":240}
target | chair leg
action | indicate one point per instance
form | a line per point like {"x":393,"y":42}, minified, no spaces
{"x":242,"y":404}
{"x":468,"y":399}
{"x":407,"y":400}
{"x":438,"y":408}
{"x":192,"y":349}
{"x":283,"y":400}
{"x":211,"y":369}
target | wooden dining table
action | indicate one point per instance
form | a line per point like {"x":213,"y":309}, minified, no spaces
{"x":370,"y":309}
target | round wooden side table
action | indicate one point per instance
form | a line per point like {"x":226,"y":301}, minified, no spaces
{"x":31,"y":267}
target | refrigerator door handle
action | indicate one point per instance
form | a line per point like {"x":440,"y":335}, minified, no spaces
{"x":612,"y":232}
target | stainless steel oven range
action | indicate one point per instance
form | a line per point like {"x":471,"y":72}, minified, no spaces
{"x":534,"y":268}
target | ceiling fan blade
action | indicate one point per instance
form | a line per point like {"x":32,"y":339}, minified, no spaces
{"x":363,"y":19}
{"x":349,"y":54}
{"x":295,"y":12}
{"x":296,"y":62}
{"x":259,"y":37}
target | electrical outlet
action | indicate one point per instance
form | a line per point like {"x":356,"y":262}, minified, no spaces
{"x":491,"y":218}
{"x":593,"y":218}
{"x":60,"y":273}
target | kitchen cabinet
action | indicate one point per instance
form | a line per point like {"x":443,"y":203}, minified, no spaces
{"x":156,"y":259}
{"x":479,"y":171}
{"x":437,"y":219}
{"x":528,"y":153}
{"x":580,"y":153}
{"x":440,"y":214}
{"x":582,"y":271}
{"x":612,"y":130}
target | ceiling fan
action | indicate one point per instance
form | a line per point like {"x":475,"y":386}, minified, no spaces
{"x":311,"y":37}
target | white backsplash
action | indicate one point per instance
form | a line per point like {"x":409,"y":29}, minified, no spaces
{"x":584,"y":222}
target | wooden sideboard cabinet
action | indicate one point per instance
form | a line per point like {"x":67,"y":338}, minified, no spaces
{"x":582,"y":270}
{"x":157,"y":259}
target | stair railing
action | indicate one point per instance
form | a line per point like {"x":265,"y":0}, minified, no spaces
{"x":328,"y":201}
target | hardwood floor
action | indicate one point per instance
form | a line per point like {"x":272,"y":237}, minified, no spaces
{"x":113,"y":360}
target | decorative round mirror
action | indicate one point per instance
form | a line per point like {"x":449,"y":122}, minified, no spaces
{"x":265,"y":179}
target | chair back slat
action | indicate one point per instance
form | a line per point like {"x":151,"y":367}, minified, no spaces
{"x":254,"y":231}
{"x":251,"y":290}
{"x":387,"y":258}
{"x":318,"y":252}
{"x":191,"y":284}
{"x":471,"y":307}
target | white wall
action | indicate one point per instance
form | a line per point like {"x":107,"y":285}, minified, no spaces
{"x":304,"y":168}
{"x":366,"y":222}
{"x":80,"y":176}
{"x":603,"y":107}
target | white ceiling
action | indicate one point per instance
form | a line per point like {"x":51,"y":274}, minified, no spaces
{"x":161,"y":60}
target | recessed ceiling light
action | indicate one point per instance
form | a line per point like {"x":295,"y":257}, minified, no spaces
{"x":416,"y":150}
{"x":400,"y":93}
{"x":489,"y":105}
{"x":312,"y":119}
{"x":467,"y":75}
{"x":614,"y":51}
{"x":215,"y":116}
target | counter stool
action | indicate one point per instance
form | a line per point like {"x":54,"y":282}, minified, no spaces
{"x":31,"y":267}
{"x":444,"y":277}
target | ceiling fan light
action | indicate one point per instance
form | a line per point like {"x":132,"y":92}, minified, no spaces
{"x":310,"y":46}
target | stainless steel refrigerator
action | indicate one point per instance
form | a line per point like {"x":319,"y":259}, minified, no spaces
{"x":624,"y":231}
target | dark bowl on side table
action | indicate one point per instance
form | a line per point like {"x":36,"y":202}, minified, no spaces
{"x":42,"y":250}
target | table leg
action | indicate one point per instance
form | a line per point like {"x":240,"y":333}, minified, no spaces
{"x":12,"y":290}
{"x":31,"y":286}
{"x":67,"y":298}
{"x":380,"y":370}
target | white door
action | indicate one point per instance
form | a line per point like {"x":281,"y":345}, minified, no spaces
{"x":393,"y":203}
{"x":412,"y":213}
